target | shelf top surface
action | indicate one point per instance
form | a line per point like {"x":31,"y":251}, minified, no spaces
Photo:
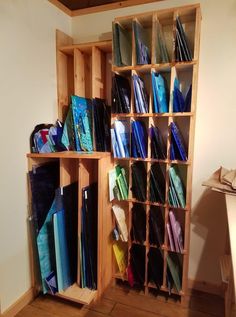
{"x":71,"y":155}
{"x":80,"y":295}
{"x":153,"y":115}
{"x":153,"y":67}
{"x":105,"y":46}
{"x":182,"y":10}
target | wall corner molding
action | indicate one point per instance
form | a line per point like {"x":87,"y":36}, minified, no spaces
{"x":24,"y":300}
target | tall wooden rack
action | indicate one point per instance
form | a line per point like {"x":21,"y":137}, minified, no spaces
{"x":187,"y":72}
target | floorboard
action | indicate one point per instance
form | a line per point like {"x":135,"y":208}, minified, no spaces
{"x":211,"y":304}
{"x":120,"y":301}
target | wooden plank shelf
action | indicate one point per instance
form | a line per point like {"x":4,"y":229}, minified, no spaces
{"x":139,"y":159}
{"x":70,"y":155}
{"x":104,"y":46}
{"x":119,"y":276}
{"x":152,"y":115}
{"x":157,"y":67}
{"x":79,"y":295}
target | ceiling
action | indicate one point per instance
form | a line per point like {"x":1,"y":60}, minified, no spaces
{"x":80,"y":7}
{"x":75,"y":5}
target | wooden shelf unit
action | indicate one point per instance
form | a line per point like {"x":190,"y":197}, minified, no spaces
{"x":83,"y":70}
{"x":86,"y":169}
{"x":187,"y":73}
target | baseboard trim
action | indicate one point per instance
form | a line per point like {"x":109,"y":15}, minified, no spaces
{"x":206,"y":287}
{"x":24,"y":300}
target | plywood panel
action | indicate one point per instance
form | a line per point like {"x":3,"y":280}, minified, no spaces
{"x":63,"y":39}
{"x":65,"y":82}
{"x":98,"y":73}
{"x":88,"y":76}
{"x":79,"y":69}
{"x":105,"y":226}
{"x":68,"y":171}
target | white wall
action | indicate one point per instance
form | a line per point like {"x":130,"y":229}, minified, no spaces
{"x":215,"y":123}
{"x":28,"y":97}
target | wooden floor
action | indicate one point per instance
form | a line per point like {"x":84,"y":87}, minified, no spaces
{"x":121,"y":302}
